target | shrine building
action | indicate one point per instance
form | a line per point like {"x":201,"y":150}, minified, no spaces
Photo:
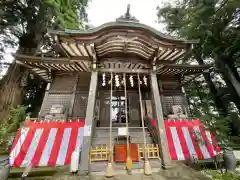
{"x":123,"y":80}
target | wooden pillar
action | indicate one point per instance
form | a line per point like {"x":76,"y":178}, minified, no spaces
{"x":44,"y":99}
{"x":165,"y":110}
{"x":89,"y":123}
{"x":186,"y":108}
{"x":70,"y":110}
{"x":163,"y":145}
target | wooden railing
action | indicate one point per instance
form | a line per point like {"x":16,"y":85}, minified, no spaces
{"x":152,"y":151}
{"x":99,"y":152}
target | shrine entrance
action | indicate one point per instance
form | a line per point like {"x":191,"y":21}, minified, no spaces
{"x":121,"y":113}
{"x":124,"y":103}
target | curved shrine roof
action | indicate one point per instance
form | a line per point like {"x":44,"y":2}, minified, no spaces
{"x":124,"y":44}
{"x":122,"y":39}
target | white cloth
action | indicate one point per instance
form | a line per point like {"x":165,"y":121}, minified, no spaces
{"x":74,"y":161}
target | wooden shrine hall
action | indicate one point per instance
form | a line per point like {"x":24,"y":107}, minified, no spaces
{"x":117,"y":77}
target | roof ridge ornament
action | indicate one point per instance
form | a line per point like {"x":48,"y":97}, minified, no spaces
{"x":127,"y":17}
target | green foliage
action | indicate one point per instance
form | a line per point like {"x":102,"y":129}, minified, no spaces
{"x":27,"y":21}
{"x":220,"y":176}
{"x":225,"y":176}
{"x":216,"y":25}
{"x":16,"y":118}
{"x":69,"y":13}
{"x":202,"y":107}
{"x":23,"y":24}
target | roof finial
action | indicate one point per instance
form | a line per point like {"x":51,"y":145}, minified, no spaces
{"x":127,"y":16}
{"x":128,"y":11}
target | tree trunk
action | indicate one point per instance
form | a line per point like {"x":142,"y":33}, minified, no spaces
{"x":233,"y":69}
{"x":11,"y":90}
{"x":231,"y":81}
{"x":218,"y":101}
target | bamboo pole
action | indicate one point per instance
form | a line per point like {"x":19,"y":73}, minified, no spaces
{"x":129,"y":160}
{"x":110,"y":170}
{"x":147,"y":167}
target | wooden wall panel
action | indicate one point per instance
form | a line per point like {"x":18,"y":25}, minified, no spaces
{"x":62,"y":90}
{"x":169,"y":101}
{"x":81,"y":96}
{"x":52,"y":99}
{"x":80,"y":104}
{"x":83,"y":81}
{"x":63,"y":83}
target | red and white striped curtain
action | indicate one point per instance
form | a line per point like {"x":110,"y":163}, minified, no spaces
{"x":46,"y":144}
{"x":52,"y":144}
{"x":189,"y":138}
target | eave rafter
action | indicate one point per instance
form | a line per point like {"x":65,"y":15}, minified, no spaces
{"x":43,"y":73}
{"x":41,"y":65}
{"x":45,"y":66}
{"x":182,"y":69}
{"x":58,"y":44}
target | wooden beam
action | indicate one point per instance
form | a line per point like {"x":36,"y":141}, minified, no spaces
{"x":49,"y":59}
{"x":124,"y":60}
{"x":34,"y":65}
{"x":60,"y":46}
{"x":162,"y":62}
{"x":154,"y":57}
{"x":94,"y":54}
{"x":121,"y":70}
{"x":35,"y":72}
{"x":187,"y":66}
{"x":80,"y":58}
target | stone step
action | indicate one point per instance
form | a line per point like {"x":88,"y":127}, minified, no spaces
{"x":101,"y":135}
{"x":132,"y":134}
{"x":133,"y":140}
{"x":100,"y":131}
{"x":101,"y":166}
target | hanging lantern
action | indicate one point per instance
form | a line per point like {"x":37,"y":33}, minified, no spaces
{"x":145,"y":80}
{"x":117,"y":84}
{"x":131,"y":81}
{"x":103,"y":79}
